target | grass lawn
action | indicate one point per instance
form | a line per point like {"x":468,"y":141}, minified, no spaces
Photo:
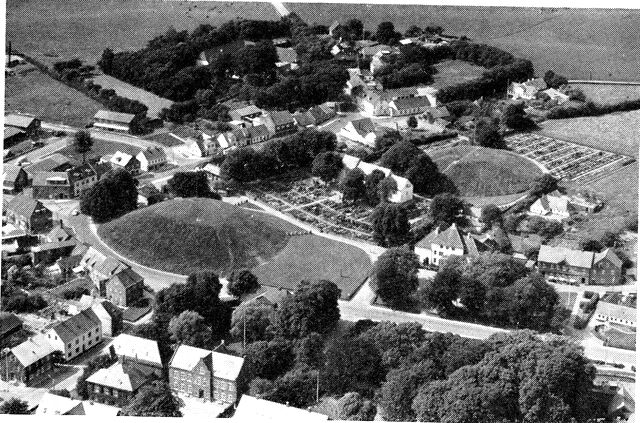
{"x":187,"y":235}
{"x":31,"y":91}
{"x":485,"y":172}
{"x":617,"y":132}
{"x":58,"y":30}
{"x":100,"y":148}
{"x":609,"y":93}
{"x":578,"y":43}
{"x":149,"y":99}
{"x":453,"y":72}
{"x":312,"y":257}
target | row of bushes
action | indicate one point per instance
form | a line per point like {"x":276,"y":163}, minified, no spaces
{"x":592,"y":109}
{"x":430,"y":139}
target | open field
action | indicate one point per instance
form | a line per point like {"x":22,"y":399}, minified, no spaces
{"x":31,"y":91}
{"x":53,"y":31}
{"x":100,"y":148}
{"x":617,"y":132}
{"x":453,"y":72}
{"x":604,"y":94}
{"x":312,"y":257}
{"x":149,"y":99}
{"x":187,"y":235}
{"x":478,"y":171}
{"x":579,"y":43}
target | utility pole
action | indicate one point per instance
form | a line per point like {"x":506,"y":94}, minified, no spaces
{"x":317,"y":386}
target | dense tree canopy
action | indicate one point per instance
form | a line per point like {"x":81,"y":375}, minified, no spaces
{"x":14,"y":406}
{"x":390,"y":224}
{"x":242,"y":282}
{"x":191,"y":184}
{"x":82,"y":143}
{"x":190,"y":328}
{"x":353,"y":185}
{"x":352,"y":406}
{"x":396,"y":276}
{"x":487,"y":134}
{"x":112,"y":196}
{"x":327,"y":165}
{"x":269,"y":360}
{"x":253,"y":322}
{"x":154,"y":400}
{"x":353,"y":365}
{"x":446,"y":208}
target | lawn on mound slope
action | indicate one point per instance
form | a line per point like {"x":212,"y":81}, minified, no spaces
{"x":311,"y":257}
{"x":187,"y":235}
{"x":485,"y":172}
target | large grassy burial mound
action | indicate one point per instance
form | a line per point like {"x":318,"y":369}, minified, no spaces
{"x":485,"y":172}
{"x":186,"y":235}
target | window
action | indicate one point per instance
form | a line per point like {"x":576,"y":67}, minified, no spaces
{"x":69,"y":345}
{"x":201,"y":370}
{"x":96,"y":389}
{"x":77,"y":341}
{"x":77,"y":350}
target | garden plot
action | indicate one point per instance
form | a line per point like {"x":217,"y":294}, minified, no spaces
{"x":564,"y":159}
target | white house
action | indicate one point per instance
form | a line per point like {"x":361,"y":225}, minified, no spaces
{"x":556,"y":95}
{"x":361,"y":131}
{"x":404,"y":190}
{"x":190,"y":148}
{"x":151,"y":158}
{"x":76,"y":335}
{"x":616,"y":313}
{"x":551,"y":207}
{"x":439,"y":245}
{"x":526,"y":90}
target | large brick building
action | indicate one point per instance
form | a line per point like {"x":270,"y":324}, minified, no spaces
{"x":124,"y":288}
{"x":205,"y":374}
{"x":116,"y":385}
{"x":29,"y":360}
{"x":564,"y":265}
{"x":29,"y":215}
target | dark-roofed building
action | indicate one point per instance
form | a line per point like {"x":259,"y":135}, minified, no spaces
{"x":125,"y":161}
{"x":113,"y":121}
{"x":606,"y":269}
{"x":60,"y":233}
{"x":279,"y":123}
{"x":439,"y":245}
{"x":409,"y":106}
{"x":51,"y":251}
{"x":564,"y":265}
{"x":246,"y":113}
{"x":13,"y":136}
{"x":29,"y":214}
{"x":76,"y":335}
{"x":14,"y":179}
{"x":26,"y":123}
{"x":9,"y":324}
{"x":314,"y":116}
{"x":116,"y":385}
{"x":54,"y":163}
{"x":110,"y":317}
{"x":82,"y":178}
{"x":124,"y":288}
{"x":246,"y":136}
{"x":145,"y":192}
{"x":151,"y":158}
{"x":51,"y":185}
{"x":28,"y":361}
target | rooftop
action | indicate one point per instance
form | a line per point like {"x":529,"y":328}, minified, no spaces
{"x":18,"y":121}
{"x":56,"y":405}
{"x":77,"y":325}
{"x":120,"y":377}
{"x":33,"y":349}
{"x":252,"y":409}
{"x":557,"y":255}
{"x":137,"y":348}
{"x":125,"y":118}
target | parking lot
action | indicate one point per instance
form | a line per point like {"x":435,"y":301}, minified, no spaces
{"x":564,"y":159}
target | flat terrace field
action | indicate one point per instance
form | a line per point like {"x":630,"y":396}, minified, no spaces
{"x":33,"y":92}
{"x":616,"y":132}
{"x":604,"y":94}
{"x":149,"y":99}
{"x":453,"y":72}
{"x":484,"y":172}
{"x":55,"y":30}
{"x":578,"y":43}
{"x":312,"y":257}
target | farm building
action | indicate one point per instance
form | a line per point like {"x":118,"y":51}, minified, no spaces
{"x":13,"y":136}
{"x":551,"y":207}
{"x":27,"y":124}
{"x":409,"y":106}
{"x":113,"y":121}
{"x":279,"y":123}
{"x":28,"y":214}
{"x":116,"y":385}
{"x":14,"y":179}
{"x":526,"y":90}
{"x":28,"y":361}
{"x":246,"y":113}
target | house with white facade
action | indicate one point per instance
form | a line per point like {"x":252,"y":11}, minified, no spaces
{"x":151,"y":158}
{"x":526,"y":90}
{"x":76,"y":335}
{"x":439,"y":245}
{"x":361,"y":131}
{"x":551,"y":207}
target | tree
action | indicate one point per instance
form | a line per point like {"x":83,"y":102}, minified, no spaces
{"x":390,"y":224}
{"x":488,"y":135}
{"x":543,"y":185}
{"x":610,"y":239}
{"x":352,"y":406}
{"x":515,"y":117}
{"x":82,"y":143}
{"x":591,"y":245}
{"x":327,"y":166}
{"x":191,"y":329}
{"x":400,"y":156}
{"x":445,"y":208}
{"x":154,"y":400}
{"x":61,"y":392}
{"x":240,"y":165}
{"x":553,"y":80}
{"x":312,"y":308}
{"x":395,"y":341}
{"x":269,"y":360}
{"x":371,"y":187}
{"x":491,"y":215}
{"x":352,"y":185}
{"x":297,"y":387}
{"x":310,"y":351}
{"x":14,"y":406}
{"x":106,"y":61}
{"x":252,"y":321}
{"x":471,"y":294}
{"x":386,"y":33}
{"x":412,"y":122}
{"x":353,"y":365}
{"x":423,"y":175}
{"x":191,"y":184}
{"x":112,"y":196}
{"x":396,"y":276}
{"x":535,"y":305}
{"x":242,"y":282}
{"x":441,"y":291}
{"x":387,"y":187}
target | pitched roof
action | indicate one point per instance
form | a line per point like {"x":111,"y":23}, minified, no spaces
{"x":41,"y":179}
{"x":51,"y":404}
{"x":280,"y":117}
{"x":33,"y":349}
{"x":303,"y":119}
{"x":48,"y":246}
{"x":77,"y":325}
{"x":127,"y":277}
{"x":239,"y":113}
{"x":226,"y":366}
{"x":520,"y":244}
{"x":608,"y":254}
{"x":112,"y":310}
{"x":119,"y":377}
{"x":251,"y":409}
{"x":60,"y":233}
{"x":19,"y":121}
{"x":439,"y":112}
{"x":23,"y":205}
{"x":11,"y":131}
{"x":8,"y":323}
{"x":10,"y":172}
{"x":148,"y":190}
{"x":153,"y":153}
{"x":286,"y":54}
{"x":557,"y":255}
{"x":451,"y":237}
{"x":109,"y":266}
{"x":411,"y":103}
{"x":536,"y":83}
{"x":121,"y":159}
{"x":258,"y":131}
{"x":81,"y":172}
{"x":334,"y":25}
{"x":125,"y":118}
{"x":92,"y":408}
{"x":363,"y":126}
{"x":137,"y":348}
{"x":616,"y":311}
{"x":186,"y":357}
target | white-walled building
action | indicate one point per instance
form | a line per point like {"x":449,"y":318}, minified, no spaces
{"x":361,"y":131}
{"x":439,"y":245}
{"x":151,"y":158}
{"x":76,"y":335}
